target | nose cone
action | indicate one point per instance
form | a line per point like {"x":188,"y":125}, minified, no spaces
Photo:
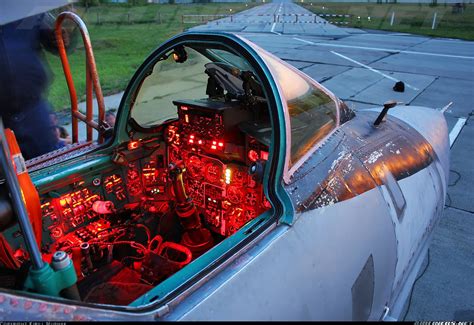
{"x":431,"y":124}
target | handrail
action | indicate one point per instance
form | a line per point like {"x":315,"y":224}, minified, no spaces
{"x":92,"y":81}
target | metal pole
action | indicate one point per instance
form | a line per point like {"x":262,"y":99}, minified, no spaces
{"x":89,"y":101}
{"x":393,"y":17}
{"x":18,"y":204}
{"x":434,"y":20}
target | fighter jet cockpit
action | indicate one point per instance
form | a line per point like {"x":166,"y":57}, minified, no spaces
{"x":211,"y":109}
{"x":187,"y":174}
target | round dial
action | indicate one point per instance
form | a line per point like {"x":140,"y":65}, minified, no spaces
{"x":251,"y":199}
{"x":213,"y":172}
{"x":56,"y":232}
{"x":234,"y":194}
{"x":238,"y":176}
{"x":195,"y":167}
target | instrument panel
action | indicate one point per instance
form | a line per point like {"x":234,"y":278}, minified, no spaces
{"x":81,"y":214}
{"x":133,"y":214}
{"x":217,"y":161}
{"x":205,"y":140}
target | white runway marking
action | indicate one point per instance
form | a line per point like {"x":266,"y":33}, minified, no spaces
{"x":386,"y":50}
{"x":443,"y":109}
{"x":304,"y":41}
{"x":456,"y":130}
{"x":372,"y":69}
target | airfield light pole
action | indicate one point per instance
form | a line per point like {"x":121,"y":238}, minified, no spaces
{"x":434,"y":20}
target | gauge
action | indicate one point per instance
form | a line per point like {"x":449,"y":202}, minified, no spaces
{"x":56,"y":232}
{"x":195,"y":167}
{"x":238,"y":176}
{"x":234,"y":194}
{"x":250,"y":214}
{"x":213,"y":172}
{"x":251,"y":199}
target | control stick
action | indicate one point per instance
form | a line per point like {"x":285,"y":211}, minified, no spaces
{"x":195,"y":237}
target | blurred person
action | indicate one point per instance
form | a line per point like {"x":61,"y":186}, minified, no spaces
{"x":110,"y":117}
{"x":60,"y":142}
{"x":24,"y":78}
{"x":60,"y":131}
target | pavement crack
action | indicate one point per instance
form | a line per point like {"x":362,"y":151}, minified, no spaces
{"x":368,"y":86}
{"x":423,"y":90}
{"x":448,"y":200}
{"x":458,"y":174}
{"x":459,"y":209}
{"x":420,"y":43}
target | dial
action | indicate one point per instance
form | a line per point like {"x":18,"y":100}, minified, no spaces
{"x":234,"y":194}
{"x":238,"y":176}
{"x":195,"y":167}
{"x":56,"y":232}
{"x":251,"y":199}
{"x":213,"y":172}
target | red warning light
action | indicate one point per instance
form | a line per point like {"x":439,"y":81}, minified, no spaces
{"x":253,"y":155}
{"x":221,"y":144}
{"x":184,"y":108}
{"x":132,"y":145}
{"x":200,"y":141}
{"x":213,"y":147}
{"x":264,"y":155}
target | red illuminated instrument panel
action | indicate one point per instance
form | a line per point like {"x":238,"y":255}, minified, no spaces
{"x":211,"y":126}
{"x":69,"y":211}
{"x":228,"y":196}
{"x":217,"y":156}
{"x":70,"y":218}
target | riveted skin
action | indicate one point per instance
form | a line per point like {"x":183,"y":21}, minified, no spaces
{"x":349,"y":162}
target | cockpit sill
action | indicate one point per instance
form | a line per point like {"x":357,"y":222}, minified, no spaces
{"x":150,"y":306}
